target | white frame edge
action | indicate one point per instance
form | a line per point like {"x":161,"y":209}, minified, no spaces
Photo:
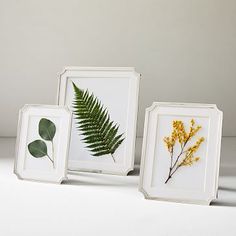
{"x":142,"y":164}
{"x":112,"y":69}
{"x":25,"y":107}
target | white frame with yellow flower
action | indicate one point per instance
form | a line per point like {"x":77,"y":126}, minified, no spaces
{"x":181,"y":152}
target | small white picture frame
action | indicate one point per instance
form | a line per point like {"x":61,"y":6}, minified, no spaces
{"x":42,"y":143}
{"x":181,"y":152}
{"x":116,"y":89}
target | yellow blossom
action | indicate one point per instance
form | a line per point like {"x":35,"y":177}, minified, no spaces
{"x":186,"y":156}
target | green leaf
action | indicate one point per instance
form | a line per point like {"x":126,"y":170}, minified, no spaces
{"x":38,"y":148}
{"x":47,"y":129}
{"x":93,"y":120}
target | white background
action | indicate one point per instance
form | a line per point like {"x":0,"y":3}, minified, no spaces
{"x":184,"y":49}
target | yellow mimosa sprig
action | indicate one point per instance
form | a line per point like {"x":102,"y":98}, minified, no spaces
{"x":179,"y":135}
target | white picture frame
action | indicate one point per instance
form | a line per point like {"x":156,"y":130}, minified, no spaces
{"x":42,"y":144}
{"x":195,"y":180}
{"x":117,"y":89}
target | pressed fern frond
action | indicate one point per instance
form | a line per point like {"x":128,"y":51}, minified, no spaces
{"x":100,"y":133}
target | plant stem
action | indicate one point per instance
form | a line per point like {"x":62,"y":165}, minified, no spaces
{"x":167,"y":179}
{"x":53,"y":153}
{"x":50,"y":159}
{"x":171,"y":163}
{"x":181,"y":152}
{"x":176,"y":161}
{"x":113,"y":158}
{"x":171,"y":174}
{"x":175,"y":170}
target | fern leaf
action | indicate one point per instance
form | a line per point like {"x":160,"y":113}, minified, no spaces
{"x":100,"y":134}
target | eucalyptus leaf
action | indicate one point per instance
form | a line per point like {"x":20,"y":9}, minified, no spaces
{"x":38,"y":148}
{"x":47,"y":129}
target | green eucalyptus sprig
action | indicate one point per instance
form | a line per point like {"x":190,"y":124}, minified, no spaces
{"x":38,"y":148}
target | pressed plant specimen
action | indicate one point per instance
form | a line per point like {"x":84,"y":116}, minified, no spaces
{"x":93,"y":120}
{"x":186,"y":155}
{"x":38,"y":148}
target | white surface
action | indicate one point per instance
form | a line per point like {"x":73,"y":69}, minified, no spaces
{"x":95,"y":204}
{"x":185,"y":50}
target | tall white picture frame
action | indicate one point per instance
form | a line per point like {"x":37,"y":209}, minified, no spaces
{"x":116,"y":90}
